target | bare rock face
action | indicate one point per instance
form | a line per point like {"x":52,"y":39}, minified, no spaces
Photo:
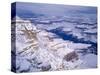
{"x":71,"y":56}
{"x":46,"y":68}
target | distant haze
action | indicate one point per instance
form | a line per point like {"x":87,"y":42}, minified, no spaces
{"x":53,"y":9}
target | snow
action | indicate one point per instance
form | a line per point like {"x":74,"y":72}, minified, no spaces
{"x":90,"y":61}
{"x":17,"y":18}
{"x":43,"y":52}
{"x":79,"y":46}
{"x":91,"y":31}
{"x":22,"y":64}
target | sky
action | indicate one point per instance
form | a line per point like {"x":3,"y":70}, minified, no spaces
{"x":52,"y":9}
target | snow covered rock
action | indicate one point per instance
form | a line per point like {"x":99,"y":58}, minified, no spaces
{"x":36,"y":50}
